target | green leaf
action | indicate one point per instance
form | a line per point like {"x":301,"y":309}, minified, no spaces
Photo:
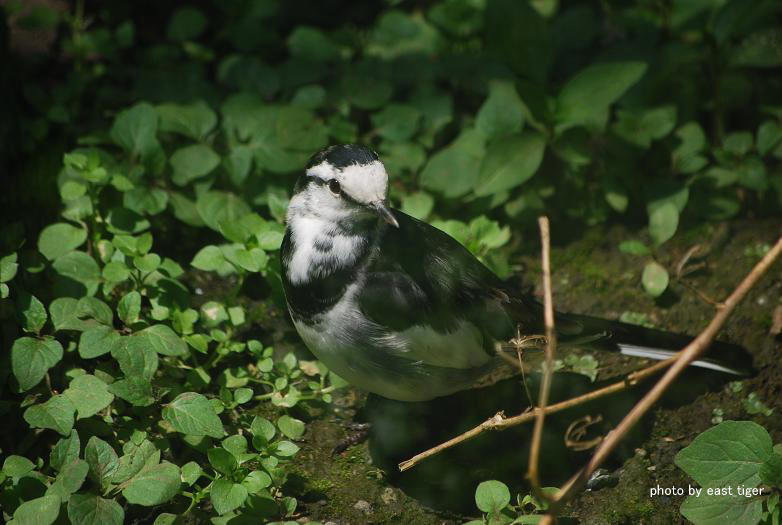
{"x":312,"y":44}
{"x":721,"y":509}
{"x":492,"y":496}
{"x":89,"y":509}
{"x":32,"y":358}
{"x":136,"y":357}
{"x":32,"y":312}
{"x":124,"y":220}
{"x":78,"y":274}
{"x":769,"y":136}
{"x":634,"y":247}
{"x":262,"y":428}
{"x":418,"y":204}
{"x":147,"y":263}
{"x":191,"y":472}
{"x":193,"y":162}
{"x":291,"y":427}
{"x":644,"y":126}
{"x":116,"y":272}
{"x":39,"y":511}
{"x":738,"y":143}
{"x":94,"y":308}
{"x":8,"y":267}
{"x":102,"y":459}
{"x":686,"y":157}
{"x":60,"y":238}
{"x":663,"y":222}
{"x":153,"y":485}
{"x":98,"y":341}
{"x":135,"y":390}
{"x":194,"y":120}
{"x":129,"y":307}
{"x":145,"y":200}
{"x":256,"y":481}
{"x":396,"y":122}
{"x":451,"y":171}
{"x":285,"y":449}
{"x":89,"y":395}
{"x":215,"y":207}
{"x":163,"y":340}
{"x":222,"y":460}
{"x":57,"y":414}
{"x":135,"y":130}
{"x":69,"y":480}
{"x":654,"y":279}
{"x":502,"y":113}
{"x":730,"y":453}
{"x":227,"y":495}
{"x":187,"y":23}
{"x":209,"y":259}
{"x":65,"y":451}
{"x":17,"y":466}
{"x":184,"y":209}
{"x":191,"y":413}
{"x":771,"y":470}
{"x":586,"y":97}
{"x":510,"y":162}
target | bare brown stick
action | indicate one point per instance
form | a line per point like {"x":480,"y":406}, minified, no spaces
{"x":548,"y":369}
{"x":682,"y":360}
{"x":500,"y":422}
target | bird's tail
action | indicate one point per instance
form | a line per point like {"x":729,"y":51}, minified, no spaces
{"x":591,"y":333}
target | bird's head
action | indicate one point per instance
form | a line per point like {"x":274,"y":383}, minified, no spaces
{"x":343,"y":182}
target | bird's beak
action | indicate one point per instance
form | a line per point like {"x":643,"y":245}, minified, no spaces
{"x":381,"y":209}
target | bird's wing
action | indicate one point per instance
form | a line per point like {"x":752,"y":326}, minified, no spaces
{"x":424,"y":282}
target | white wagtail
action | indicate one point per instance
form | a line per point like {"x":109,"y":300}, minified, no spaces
{"x":399,"y":308}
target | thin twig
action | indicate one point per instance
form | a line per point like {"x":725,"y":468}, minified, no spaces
{"x":548,"y":369}
{"x":682,"y":360}
{"x":500,"y":422}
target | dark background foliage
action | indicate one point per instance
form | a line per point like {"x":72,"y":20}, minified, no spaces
{"x":148,"y":150}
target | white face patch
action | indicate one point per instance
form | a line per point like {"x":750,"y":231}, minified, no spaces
{"x":364,"y":183}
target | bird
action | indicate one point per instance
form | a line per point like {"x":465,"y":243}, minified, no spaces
{"x":399,"y":308}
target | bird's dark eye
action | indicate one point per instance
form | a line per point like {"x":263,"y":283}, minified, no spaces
{"x":334,"y":186}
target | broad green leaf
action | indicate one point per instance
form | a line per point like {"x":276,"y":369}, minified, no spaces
{"x":771,"y":470}
{"x":147,"y":263}
{"x":730,"y":453}
{"x":738,"y":143}
{"x":94,"y":308}
{"x":145,"y":200}
{"x":89,"y":509}
{"x":39,"y":511}
{"x":31,"y":358}
{"x":116,"y":272}
{"x":136,"y":357}
{"x":32,"y":312}
{"x":722,"y":509}
{"x":136,"y":458}
{"x":102,"y":459}
{"x":663,"y":222}
{"x":262,"y":428}
{"x":642,"y":127}
{"x":398,"y":33}
{"x":193,"y":162}
{"x":135,"y":390}
{"x":8,"y":267}
{"x":191,"y":413}
{"x":89,"y":395}
{"x":396,"y":122}
{"x":586,"y":97}
{"x":17,"y":466}
{"x":769,"y":136}
{"x":236,"y":445}
{"x":510,"y":162}
{"x":184,"y":209}
{"x":126,"y":221}
{"x":60,"y":238}
{"x":215,"y":207}
{"x":162,"y":340}
{"x":190,"y":473}
{"x":310,"y":43}
{"x":69,"y":480}
{"x":78,"y":274}
{"x":129,"y":307}
{"x":135,"y":130}
{"x":57,"y":414}
{"x":418,"y":204}
{"x":209,"y":259}
{"x":654,"y":279}
{"x":492,"y":496}
{"x":187,"y":23}
{"x":285,"y":449}
{"x":686,"y":157}
{"x":65,"y":451}
{"x":153,"y":485}
{"x":452,"y":171}
{"x":227,"y":495}
{"x":222,"y":461}
{"x":194,"y":120}
{"x":98,"y":341}
{"x":634,"y":247}
{"x":502,"y":113}
{"x":256,"y":481}
{"x":291,"y":427}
